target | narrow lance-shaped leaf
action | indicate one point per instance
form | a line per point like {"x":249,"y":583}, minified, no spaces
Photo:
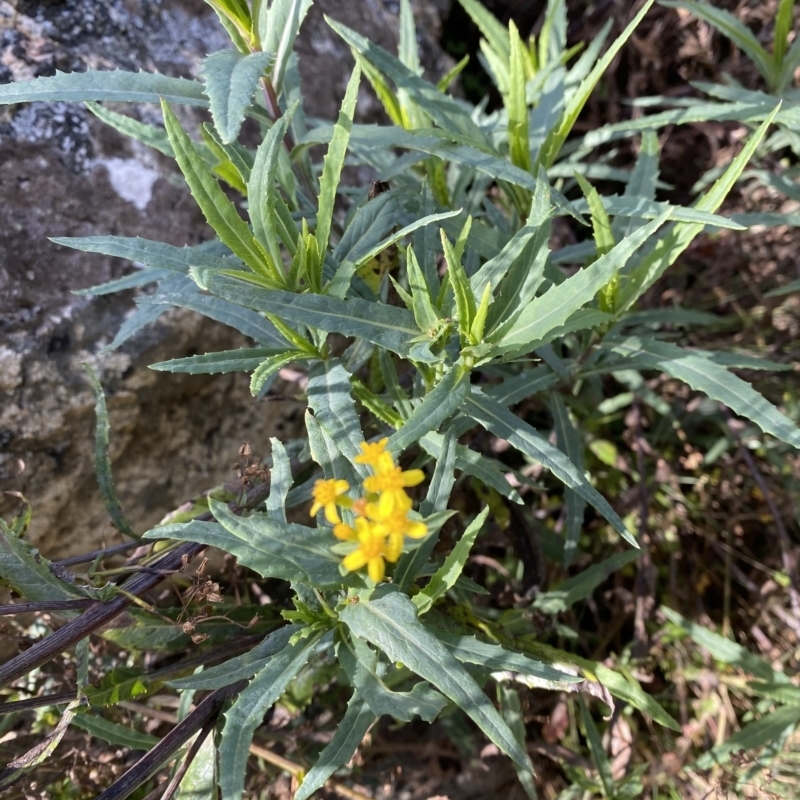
{"x":495,"y":33}
{"x":736,"y":31}
{"x":247,"y":712}
{"x":569,"y":442}
{"x":443,"y":110}
{"x":102,"y":458}
{"x":219,"y":212}
{"x":553,"y":308}
{"x":714,"y":380}
{"x":116,"y":85}
{"x":357,"y":720}
{"x":242,"y":360}
{"x":231,"y":79}
{"x":261,"y":189}
{"x":443,"y":401}
{"x":384,"y":325}
{"x":330,"y":398}
{"x":391,"y":624}
{"x":445,"y":577}
{"x":666,"y":251}
{"x":517,"y":104}
{"x":505,"y":425}
{"x":558,"y":135}
{"x":334,"y":161}
{"x":280,"y":481}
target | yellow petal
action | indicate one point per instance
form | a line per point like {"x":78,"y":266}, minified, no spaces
{"x":344,"y":532}
{"x":416,"y":529}
{"x":413,"y":477}
{"x":316,"y":507}
{"x":331,"y":514}
{"x":354,"y":560}
{"x":376,"y":569}
{"x":394,"y":547}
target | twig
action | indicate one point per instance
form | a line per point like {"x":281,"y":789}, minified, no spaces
{"x":106,"y":551}
{"x":46,"y":605}
{"x":296,"y":769}
{"x":205,"y":713}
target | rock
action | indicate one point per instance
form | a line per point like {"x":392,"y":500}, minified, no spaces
{"x":62,"y":173}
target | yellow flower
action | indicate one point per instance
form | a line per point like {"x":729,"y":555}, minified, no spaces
{"x":372,"y":451}
{"x":396,"y":520}
{"x":390,"y":482}
{"x":373,"y":550}
{"x":328,"y":494}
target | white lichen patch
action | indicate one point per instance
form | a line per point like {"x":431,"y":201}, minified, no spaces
{"x":10,"y":369}
{"x":131,"y":180}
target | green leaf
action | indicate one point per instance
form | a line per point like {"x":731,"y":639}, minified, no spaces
{"x":639,"y":207}
{"x":280,"y":481}
{"x":355,"y":724}
{"x":270,"y":548}
{"x":29,"y":574}
{"x":511,"y":709}
{"x":582,"y":585}
{"x":438,"y":405}
{"x":125,"y":683}
{"x":505,"y":425}
{"x":736,"y":31}
{"x":570,"y":444}
{"x":601,"y":225}
{"x":247,"y":712}
{"x":666,"y":250}
{"x":334,"y":161}
{"x":391,"y":624}
{"x":150,"y":135}
{"x":411,"y":564}
{"x":220,"y":213}
{"x":464,"y":296}
{"x":486,"y":470}
{"x":558,"y":134}
{"x":764,"y":732}
{"x":326,"y":452}
{"x":596,"y":749}
{"x":102,"y":458}
{"x":264,"y":371}
{"x":470,"y":650}
{"x":553,"y":308}
{"x":496,"y":35}
{"x":242,"y":319}
{"x":443,"y":110}
{"x":146,"y":251}
{"x":445,"y":577}
{"x":242,"y":360}
{"x":642,"y":184}
{"x":517,"y":248}
{"x":364,"y":671}
{"x":387,"y":326}
{"x":330,"y":398}
{"x":132,"y":281}
{"x":117,"y":85}
{"x":239,"y":667}
{"x":282,"y":23}
{"x":422,"y":303}
{"x":726,"y":650}
{"x":114,"y":733}
{"x":200,"y":779}
{"x":703,"y":375}
{"x":230,"y":79}
{"x":261,"y":190}
{"x":517,"y":105}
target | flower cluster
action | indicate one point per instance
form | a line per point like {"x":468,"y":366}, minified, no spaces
{"x":381,"y":514}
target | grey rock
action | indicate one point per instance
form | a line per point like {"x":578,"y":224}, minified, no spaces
{"x":62,"y":173}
